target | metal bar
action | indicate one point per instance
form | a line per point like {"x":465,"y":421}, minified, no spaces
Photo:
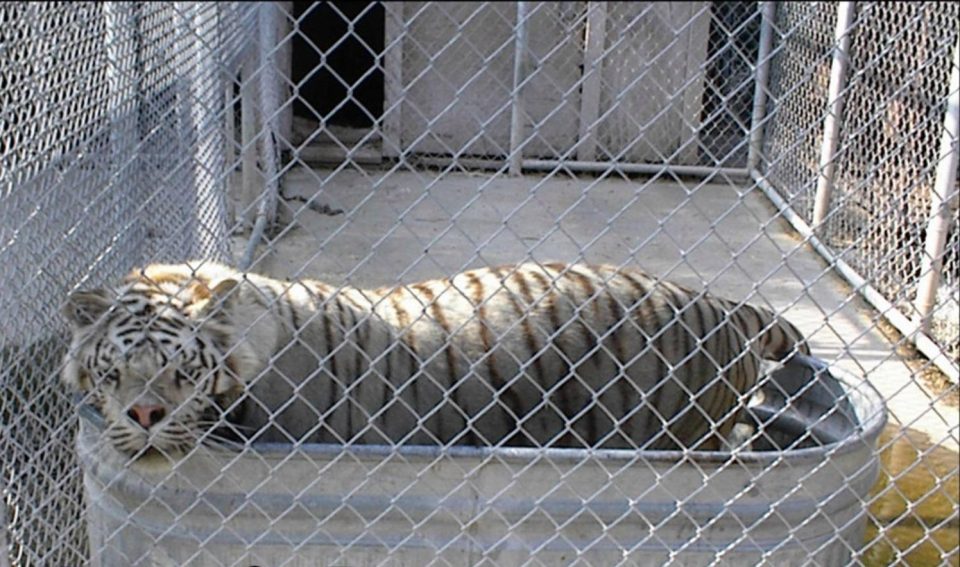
{"x":943,"y":198}
{"x":248,"y":139}
{"x":270,"y":84}
{"x":202,"y":137}
{"x":590,"y":98}
{"x":908,"y":328}
{"x":767,"y":15}
{"x":835,"y":100}
{"x":601,"y":166}
{"x":392,"y":80}
{"x":229,"y":122}
{"x":210,"y":157}
{"x":581,"y":166}
{"x":229,"y":80}
{"x":285,"y":71}
{"x":516,"y":107}
{"x":123,"y":77}
{"x":269,"y":108}
{"x":692,"y":20}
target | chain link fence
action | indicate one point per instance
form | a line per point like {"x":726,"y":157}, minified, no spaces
{"x":894,"y":94}
{"x":797,"y":156}
{"x":110,"y":158}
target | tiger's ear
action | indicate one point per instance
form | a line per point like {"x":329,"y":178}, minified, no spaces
{"x":227,"y":383}
{"x":222,"y":295}
{"x":224,"y":287}
{"x":84,"y":308}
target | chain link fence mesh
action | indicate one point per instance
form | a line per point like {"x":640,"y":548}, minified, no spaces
{"x":101,"y":170}
{"x":900,"y":63}
{"x":388,"y":138}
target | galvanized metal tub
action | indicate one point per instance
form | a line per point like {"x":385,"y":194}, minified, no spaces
{"x":363,"y":505}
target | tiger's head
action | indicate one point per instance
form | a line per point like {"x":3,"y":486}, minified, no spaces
{"x":156,"y":359}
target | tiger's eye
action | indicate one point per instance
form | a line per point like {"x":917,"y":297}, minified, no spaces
{"x":112,"y":376}
{"x":181,"y":376}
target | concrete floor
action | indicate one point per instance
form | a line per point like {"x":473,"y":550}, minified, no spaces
{"x":407,"y":226}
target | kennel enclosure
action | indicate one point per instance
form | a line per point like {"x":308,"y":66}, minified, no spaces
{"x":629,"y":133}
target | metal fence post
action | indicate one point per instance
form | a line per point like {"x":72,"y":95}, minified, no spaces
{"x":831,"y":125}
{"x":767,"y":14}
{"x":516,"y":116}
{"x":123,"y":74}
{"x":393,"y":91}
{"x":269,"y":111}
{"x":229,"y":122}
{"x":590,"y":91}
{"x":248,"y":138}
{"x":206,"y":87}
{"x":943,"y":198}
{"x":284,"y":72}
{"x":229,"y":79}
{"x":199,"y":107}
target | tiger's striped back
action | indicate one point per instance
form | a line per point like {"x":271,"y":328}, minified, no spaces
{"x":574,"y":356}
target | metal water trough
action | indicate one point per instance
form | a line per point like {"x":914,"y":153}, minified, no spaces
{"x":797,"y":496}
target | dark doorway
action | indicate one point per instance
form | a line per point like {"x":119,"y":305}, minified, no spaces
{"x":350,"y":71}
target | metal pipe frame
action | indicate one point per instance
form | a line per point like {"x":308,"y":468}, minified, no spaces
{"x":943,"y":198}
{"x":575,"y":166}
{"x":767,"y":15}
{"x":831,"y":125}
{"x":269,"y":111}
{"x":519,"y":74}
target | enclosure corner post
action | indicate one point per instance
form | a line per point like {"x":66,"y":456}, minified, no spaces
{"x":835,"y":99}
{"x":943,"y":198}
{"x":516,"y":114}
{"x":767,"y":15}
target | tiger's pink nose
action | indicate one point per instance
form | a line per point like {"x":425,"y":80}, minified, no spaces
{"x":147,"y":415}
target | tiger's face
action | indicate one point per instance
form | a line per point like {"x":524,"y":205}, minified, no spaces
{"x":155,"y":364}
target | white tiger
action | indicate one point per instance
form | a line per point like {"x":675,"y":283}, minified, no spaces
{"x":529,"y":355}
